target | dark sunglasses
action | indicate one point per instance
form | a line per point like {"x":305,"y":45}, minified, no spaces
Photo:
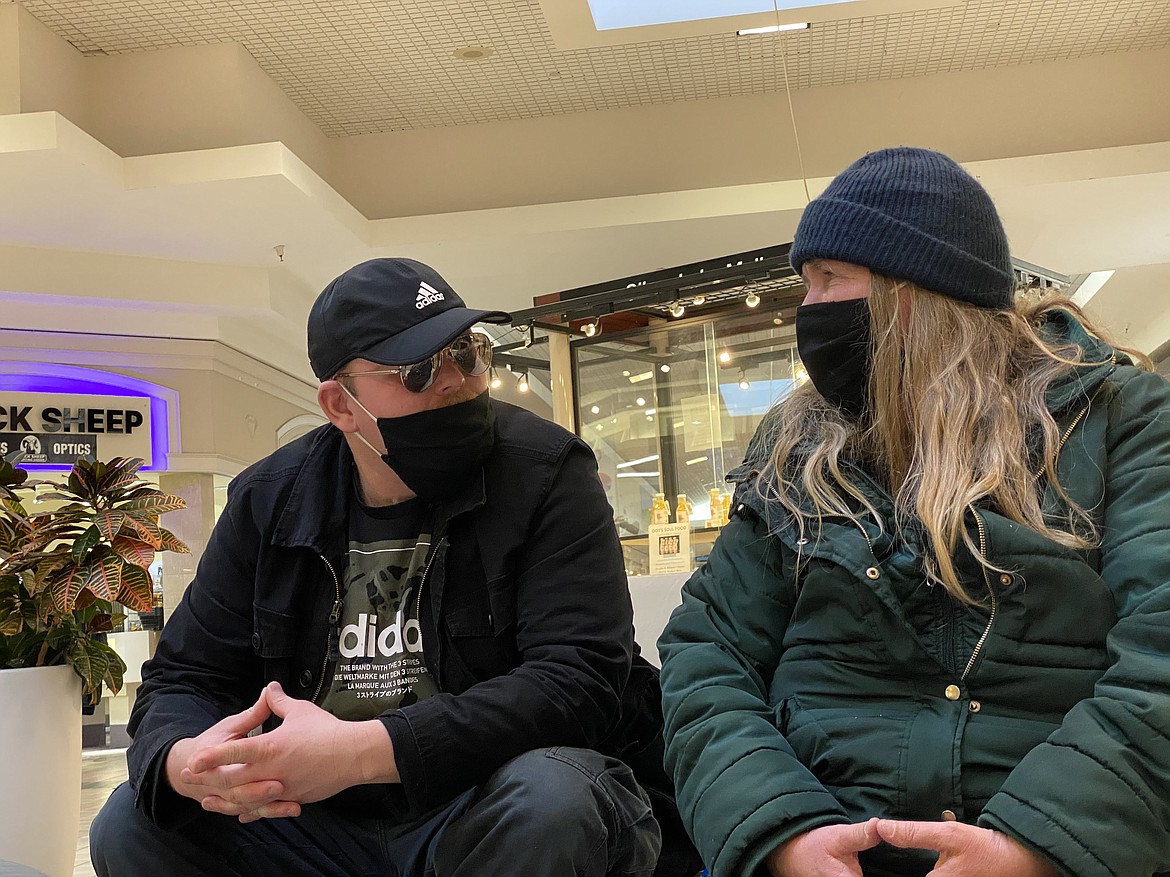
{"x":471,"y":353}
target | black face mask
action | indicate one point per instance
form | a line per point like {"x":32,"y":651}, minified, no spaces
{"x":833,"y":340}
{"x":436,"y":453}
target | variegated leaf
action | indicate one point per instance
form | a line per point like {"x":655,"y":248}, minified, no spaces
{"x":137,"y":588}
{"x":142,"y":528}
{"x":104,"y":576}
{"x":109,"y":523}
{"x":91,"y":660}
{"x":67,"y":587}
{"x":158,"y":504}
{"x":134,"y":550}
{"x":171,"y":542}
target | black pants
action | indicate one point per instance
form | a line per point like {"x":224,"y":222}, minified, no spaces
{"x":549,"y":812}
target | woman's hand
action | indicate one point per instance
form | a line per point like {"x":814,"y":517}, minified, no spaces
{"x":830,"y":851}
{"x":966,"y":850}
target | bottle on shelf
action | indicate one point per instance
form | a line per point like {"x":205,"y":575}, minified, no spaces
{"x":659,"y":510}
{"x":725,"y":509}
{"x":715,"y":518}
{"x":682,"y":512}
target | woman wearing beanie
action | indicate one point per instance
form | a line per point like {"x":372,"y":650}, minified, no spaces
{"x":935,"y":636}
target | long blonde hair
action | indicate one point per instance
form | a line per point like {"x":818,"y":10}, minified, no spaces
{"x":954,"y":393}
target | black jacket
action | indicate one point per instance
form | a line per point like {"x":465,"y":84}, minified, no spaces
{"x":526,"y":614}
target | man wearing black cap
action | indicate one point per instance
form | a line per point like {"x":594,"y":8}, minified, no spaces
{"x":408,"y":648}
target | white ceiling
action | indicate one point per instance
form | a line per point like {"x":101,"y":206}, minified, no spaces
{"x":180,"y":243}
{"x":370,"y":66}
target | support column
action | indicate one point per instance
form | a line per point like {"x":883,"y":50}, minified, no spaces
{"x":561,"y":381}
{"x":192,"y":524}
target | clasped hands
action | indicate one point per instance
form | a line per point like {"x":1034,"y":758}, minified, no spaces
{"x":964,"y":850}
{"x":311,"y":756}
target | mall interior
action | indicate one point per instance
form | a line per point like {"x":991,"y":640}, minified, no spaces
{"x":179,"y":180}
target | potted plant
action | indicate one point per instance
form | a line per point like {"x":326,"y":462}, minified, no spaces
{"x":62,"y":571}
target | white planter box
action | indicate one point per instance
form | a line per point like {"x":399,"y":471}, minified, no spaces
{"x":40,"y":744}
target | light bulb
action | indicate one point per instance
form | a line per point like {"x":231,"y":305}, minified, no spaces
{"x":699,"y":299}
{"x":522,"y":384}
{"x":743,"y":381}
{"x":664,"y":368}
{"x":778,"y":320}
{"x":640,"y":401}
{"x":677,"y":309}
{"x":591,"y":329}
{"x":595,"y":410}
{"x":725,"y":357}
{"x":496,"y":382}
{"x":751,"y":300}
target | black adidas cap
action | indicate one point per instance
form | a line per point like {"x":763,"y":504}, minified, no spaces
{"x":389,"y":311}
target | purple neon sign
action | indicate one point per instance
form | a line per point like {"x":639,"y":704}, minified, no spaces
{"x":36,"y":377}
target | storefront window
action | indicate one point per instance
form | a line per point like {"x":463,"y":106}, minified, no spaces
{"x":671,"y":408}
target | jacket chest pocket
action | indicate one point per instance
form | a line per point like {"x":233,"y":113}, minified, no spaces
{"x":483,"y":632}
{"x":273,"y":634}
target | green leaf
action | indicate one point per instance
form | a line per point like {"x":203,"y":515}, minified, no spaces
{"x":137,"y":588}
{"x":85,"y":542}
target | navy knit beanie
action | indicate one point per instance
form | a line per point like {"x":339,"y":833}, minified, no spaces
{"x":912,"y":214}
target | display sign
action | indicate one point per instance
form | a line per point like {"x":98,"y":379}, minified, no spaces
{"x":670,"y":548}
{"x":57,"y":428}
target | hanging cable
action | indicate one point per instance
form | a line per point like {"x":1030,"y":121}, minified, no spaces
{"x":788,"y":92}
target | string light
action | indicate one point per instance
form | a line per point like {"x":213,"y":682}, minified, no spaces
{"x":522,"y":384}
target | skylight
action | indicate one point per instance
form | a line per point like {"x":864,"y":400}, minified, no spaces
{"x":611,"y":14}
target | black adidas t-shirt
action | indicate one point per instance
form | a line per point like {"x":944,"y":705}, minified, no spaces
{"x":381,"y":663}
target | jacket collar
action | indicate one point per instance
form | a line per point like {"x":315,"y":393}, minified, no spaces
{"x":317,"y":512}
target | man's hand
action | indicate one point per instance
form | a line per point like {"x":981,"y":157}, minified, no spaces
{"x":830,"y":851}
{"x":311,"y":756}
{"x":966,"y":850}
{"x":234,"y":727}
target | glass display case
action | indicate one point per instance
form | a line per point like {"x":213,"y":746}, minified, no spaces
{"x":670,"y":408}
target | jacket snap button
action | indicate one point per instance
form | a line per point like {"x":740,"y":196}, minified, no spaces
{"x":256,"y":641}
{"x":974,"y":706}
{"x":949,"y":816}
{"x":952,"y":692}
{"x":874,"y":573}
{"x":306,"y":678}
{"x":1005,"y":580}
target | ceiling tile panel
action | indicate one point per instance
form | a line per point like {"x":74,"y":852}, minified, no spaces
{"x":361,"y":67}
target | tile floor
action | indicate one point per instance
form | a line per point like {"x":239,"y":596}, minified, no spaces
{"x":101,"y":772}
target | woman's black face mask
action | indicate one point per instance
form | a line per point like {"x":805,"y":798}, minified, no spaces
{"x":833,"y":338}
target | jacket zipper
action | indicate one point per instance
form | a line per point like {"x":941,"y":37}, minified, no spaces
{"x":983,"y":552}
{"x":990,"y":592}
{"x":334,"y":617}
{"x":423,"y":582}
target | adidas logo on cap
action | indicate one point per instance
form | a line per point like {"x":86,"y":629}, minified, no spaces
{"x":427,"y":295}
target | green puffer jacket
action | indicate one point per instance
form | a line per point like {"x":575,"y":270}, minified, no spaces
{"x":820,"y":681}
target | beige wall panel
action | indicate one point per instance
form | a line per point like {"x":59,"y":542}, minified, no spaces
{"x":9,"y":59}
{"x":51,"y":72}
{"x":974,"y":115}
